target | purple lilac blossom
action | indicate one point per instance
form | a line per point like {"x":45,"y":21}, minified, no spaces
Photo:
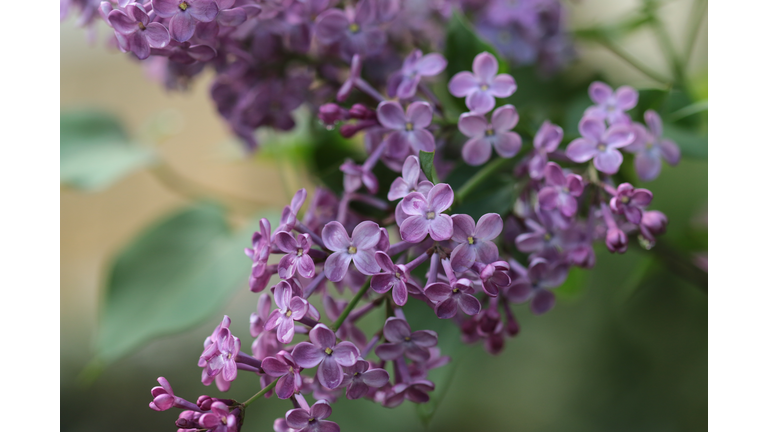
{"x":324,"y":351}
{"x":359,"y":248}
{"x":291,"y":212}
{"x":537,"y":283}
{"x":412,"y":180}
{"x":394,"y":277}
{"x":184,"y":15}
{"x":404,"y":82}
{"x":424,"y":215}
{"x":611,"y":106}
{"x":482,"y":84}
{"x":484,"y":135}
{"x":140,"y":34}
{"x":360,"y":378}
{"x":475,"y":243}
{"x":284,"y":367}
{"x":630,"y":202}
{"x":296,"y":258}
{"x":290,"y":308}
{"x":615,"y":238}
{"x":403,"y":341}
{"x":408,"y":128}
{"x":219,"y":419}
{"x":355,"y":31}
{"x":560,"y":192}
{"x":260,"y":317}
{"x":650,"y":148}
{"x":313,"y":419}
{"x":355,"y":68}
{"x":546,"y":141}
{"x":600,"y":143}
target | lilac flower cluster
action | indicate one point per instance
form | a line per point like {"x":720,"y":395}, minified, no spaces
{"x":457,"y":267}
{"x":271,"y":56}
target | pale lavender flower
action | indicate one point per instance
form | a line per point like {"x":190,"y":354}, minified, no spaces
{"x":481,"y":86}
{"x":600,"y":143}
{"x":425,"y":215}
{"x":537,"y":283}
{"x":325,"y":352}
{"x":405,"y":81}
{"x":357,"y":175}
{"x":408,"y":128}
{"x":355,"y":31}
{"x":290,"y":308}
{"x":546,"y":141}
{"x":359,"y":248}
{"x":650,"y":148}
{"x":312,"y":420}
{"x":284,"y":367}
{"x":403,"y":341}
{"x":297,"y":257}
{"x":394,"y":277}
{"x":139,"y":33}
{"x":475,"y":243}
{"x":611,"y":106}
{"x":630,"y":202}
{"x":409,"y":182}
{"x":484,"y":135}
{"x":560,"y":191}
{"x":359,"y":379}
{"x":185,"y":14}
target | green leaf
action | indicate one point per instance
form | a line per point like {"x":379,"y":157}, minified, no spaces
{"x":172,"y":277}
{"x":427,"y":162}
{"x":692,"y":145}
{"x":462,"y":44}
{"x":96,"y":152}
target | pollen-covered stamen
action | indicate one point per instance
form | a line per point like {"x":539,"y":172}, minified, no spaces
{"x":354,"y":27}
{"x":409,"y":126}
{"x":183,"y":5}
{"x":624,"y":199}
{"x":352,"y":250}
{"x":471,"y":240}
{"x":328,"y":351}
{"x":299,"y":252}
{"x":398,"y":275}
{"x":490,"y":132}
{"x":141,"y":26}
{"x":455,"y":290}
{"x":407,"y":338}
{"x":430,"y":215}
{"x":289,"y":313}
{"x":601,"y":147}
{"x":484,"y":87}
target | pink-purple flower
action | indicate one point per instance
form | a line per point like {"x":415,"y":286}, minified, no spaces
{"x":482,"y":85}
{"x":475,"y":243}
{"x":601,"y":144}
{"x":408,"y":128}
{"x":402,"y":341}
{"x":360,"y":378}
{"x":290,"y":308}
{"x":324,"y":351}
{"x":404,"y":83}
{"x":394,"y":277}
{"x":358,"y":249}
{"x":424,"y":215}
{"x":185,"y":14}
{"x":561,"y":191}
{"x":611,"y":106}
{"x":296,"y":258}
{"x":312,"y":420}
{"x":650,"y":148}
{"x":536,"y":285}
{"x":288,"y":372}
{"x":140,"y":34}
{"x":630,"y":202}
{"x":484,"y":135}
{"x":546,"y":141}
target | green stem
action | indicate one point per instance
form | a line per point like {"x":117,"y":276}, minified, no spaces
{"x":650,"y":73}
{"x":351,"y":306}
{"x":669,"y":50}
{"x":694,"y":24}
{"x":260,"y":394}
{"x":479,"y":177}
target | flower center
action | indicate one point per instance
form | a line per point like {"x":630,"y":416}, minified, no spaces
{"x":547,"y":236}
{"x":455,"y":290}
{"x":489,"y":132}
{"x":601,"y":147}
{"x":471,"y":240}
{"x":409,"y":126}
{"x":407,"y":338}
{"x":352,"y":250}
{"x":398,"y":275}
{"x":141,"y":26}
{"x":484,"y":87}
{"x":223,"y":420}
{"x":430,"y":215}
{"x":357,"y":373}
{"x":328,"y":351}
{"x":183,"y":5}
{"x":311,"y":419}
{"x":354,"y":27}
{"x":299,"y":252}
{"x":624,"y":199}
{"x":289,"y":313}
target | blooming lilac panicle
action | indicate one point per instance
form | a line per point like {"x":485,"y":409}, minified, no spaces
{"x":408,"y":128}
{"x":424,"y":215}
{"x":474,"y":243}
{"x":358,"y":249}
{"x":600,"y":143}
{"x":546,"y":141}
{"x":482,"y":84}
{"x":185,"y":14}
{"x":403,"y":83}
{"x":484,"y":135}
{"x":324,"y":351}
{"x":611,"y":106}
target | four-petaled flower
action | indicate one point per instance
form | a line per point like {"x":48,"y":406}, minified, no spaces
{"x":630,"y":202}
{"x":450,"y":297}
{"x":483,"y":85}
{"x":290,"y":308}
{"x":355,"y":31}
{"x":403,"y":83}
{"x":313,"y":420}
{"x":408,"y":128}
{"x":536,"y":284}
{"x":359,"y":379}
{"x":600,"y":143}
{"x":560,"y":192}
{"x":140,"y":34}
{"x":185,"y":14}
{"x":484,"y":135}
{"x":296,"y":256}
{"x":163,"y":397}
{"x":547,"y":139}
{"x":611,"y":106}
{"x":402,"y":341}
{"x":649,"y":148}
{"x":409,"y":182}
{"x":325,"y":352}
{"x":219,"y":419}
{"x":284,"y":367}
{"x":394,"y":277}
{"x":425,"y":215}
{"x":475,"y":243}
{"x":359,"y":249}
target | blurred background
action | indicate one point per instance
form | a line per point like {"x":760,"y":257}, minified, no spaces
{"x":625,"y":351}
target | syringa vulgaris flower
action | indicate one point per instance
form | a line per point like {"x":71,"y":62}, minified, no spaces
{"x":600,"y":143}
{"x":355,"y":31}
{"x":403,"y":83}
{"x":283,"y":367}
{"x":139,"y":33}
{"x":262,"y":244}
{"x":561,"y":191}
{"x":359,"y":248}
{"x":408,"y":128}
{"x":536,"y":285}
{"x":482,"y":85}
{"x":324,"y":351}
{"x":546,"y":141}
{"x":185,"y":14}
{"x":475,"y":243}
{"x":220,"y":419}
{"x":291,"y":212}
{"x":402,"y":341}
{"x":360,"y":378}
{"x":296,"y":258}
{"x":312,"y":420}
{"x":650,"y":148}
{"x":424,"y":215}
{"x":611,"y":106}
{"x":394,"y":277}
{"x":630,"y":202}
{"x":290,"y":308}
{"x":484,"y":135}
{"x":411,"y":180}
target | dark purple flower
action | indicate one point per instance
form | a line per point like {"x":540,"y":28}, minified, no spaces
{"x":611,"y":106}
{"x":425,"y":215}
{"x":483,"y":85}
{"x":409,"y":182}
{"x":615,"y":238}
{"x":358,"y":379}
{"x":394,"y":277}
{"x":402,"y":341}
{"x":475,"y":243}
{"x":630,"y":202}
{"x":297,"y":257}
{"x":323,"y":351}
{"x":414,"y":391}
{"x":494,"y":277}
{"x":600,"y":144}
{"x":536,"y":284}
{"x":357,"y":175}
{"x":185,"y":14}
{"x":484,"y":135}
{"x":313,"y":420}
{"x":403,"y":83}
{"x":359,"y":248}
{"x":140,"y":34}
{"x":408,"y":128}
{"x":219,"y":419}
{"x":449,"y":297}
{"x":355,"y":31}
{"x":650,"y":148}
{"x":561,"y":191}
{"x":547,"y":139}
{"x":163,"y":397}
{"x":419,"y":370}
{"x":290,"y":308}
{"x":285,"y":368}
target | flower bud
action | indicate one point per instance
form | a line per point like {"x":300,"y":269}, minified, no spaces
{"x":361,"y":112}
{"x":331,"y":113}
{"x":616,"y":240}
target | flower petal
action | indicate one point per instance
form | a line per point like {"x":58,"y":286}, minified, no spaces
{"x":420,"y":114}
{"x":440,"y":198}
{"x":365,"y":262}
{"x":508,"y":144}
{"x":485,"y":66}
{"x":391,"y":115}
{"x":322,"y":337}
{"x":543,"y":300}
{"x":504,"y":118}
{"x":182,"y":26}
{"x":608,"y":161}
{"x":414,"y":229}
{"x":626,"y":98}
{"x":476,"y":151}
{"x":365,"y":235}
{"x":480,"y":101}
{"x":390,"y":351}
{"x":329,"y":373}
{"x":472,"y":125}
{"x":488,"y":227}
{"x":502,"y":86}
{"x":600,"y":92}
{"x":335,"y":237}
{"x":462,"y":84}
{"x":581,"y":150}
{"x":396,"y":330}
{"x":440,"y":228}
